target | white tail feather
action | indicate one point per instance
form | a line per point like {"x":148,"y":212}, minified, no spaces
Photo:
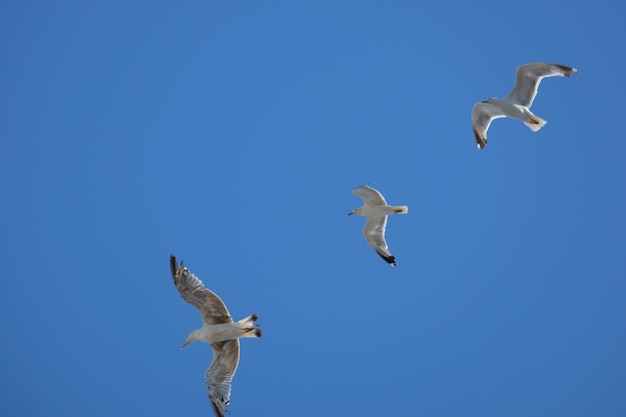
{"x":249,"y":321}
{"x":247,"y":326}
{"x":536,"y":124}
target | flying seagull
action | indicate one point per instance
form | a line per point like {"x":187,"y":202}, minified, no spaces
{"x":517,"y":104}
{"x":218,"y":329}
{"x":376,"y":211}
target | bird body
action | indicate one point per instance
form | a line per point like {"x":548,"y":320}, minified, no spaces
{"x":376,"y":210}
{"x":372,"y":210}
{"x":212,"y":333}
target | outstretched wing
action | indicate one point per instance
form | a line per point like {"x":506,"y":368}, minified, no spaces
{"x":374,"y":232}
{"x":220,"y":374}
{"x":528,"y":77}
{"x":191,"y":289}
{"x":370,"y":195}
{"x":482,"y":115}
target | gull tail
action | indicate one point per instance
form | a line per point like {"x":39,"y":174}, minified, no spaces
{"x":535,"y":123}
{"x":400,"y":209}
{"x":247,"y":326}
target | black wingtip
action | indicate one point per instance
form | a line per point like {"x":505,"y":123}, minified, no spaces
{"x":391,"y":260}
{"x":173,"y":265}
{"x":567,"y":71}
{"x":480,"y":141}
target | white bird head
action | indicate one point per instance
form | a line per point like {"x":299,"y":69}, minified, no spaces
{"x":358,"y":210}
{"x":191,"y":338}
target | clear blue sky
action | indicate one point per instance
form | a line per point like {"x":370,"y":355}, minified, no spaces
{"x":230,"y":134}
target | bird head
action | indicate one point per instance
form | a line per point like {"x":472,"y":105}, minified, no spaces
{"x":191,"y":338}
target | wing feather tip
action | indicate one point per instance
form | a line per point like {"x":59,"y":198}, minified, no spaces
{"x":391,"y":260}
{"x":567,"y":71}
{"x":216,"y":409}
{"x":481,"y":141}
{"x":173,"y":265}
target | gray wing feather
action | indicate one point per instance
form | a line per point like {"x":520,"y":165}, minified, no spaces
{"x":528,"y":77}
{"x":219,"y":375}
{"x":370,"y":195}
{"x":482,"y":115}
{"x":191,"y":289}
{"x":374,"y":232}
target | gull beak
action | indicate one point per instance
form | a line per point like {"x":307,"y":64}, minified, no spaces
{"x":185,"y":344}
{"x":351,"y":213}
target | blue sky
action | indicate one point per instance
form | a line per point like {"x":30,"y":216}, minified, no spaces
{"x":230,"y":134}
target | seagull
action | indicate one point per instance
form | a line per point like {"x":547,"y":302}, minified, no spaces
{"x":517,"y":104}
{"x":218,"y":329}
{"x":376,"y":211}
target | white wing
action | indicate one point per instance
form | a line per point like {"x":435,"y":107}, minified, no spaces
{"x":374,"y":232}
{"x":370,"y":195}
{"x":220,"y":374}
{"x":528,"y":77}
{"x":482,"y":115}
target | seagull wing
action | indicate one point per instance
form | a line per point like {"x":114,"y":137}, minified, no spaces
{"x":191,"y":289}
{"x":374,"y":232}
{"x":528,"y":77}
{"x":370,"y":195}
{"x":220,"y":374}
{"x":482,"y":115}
